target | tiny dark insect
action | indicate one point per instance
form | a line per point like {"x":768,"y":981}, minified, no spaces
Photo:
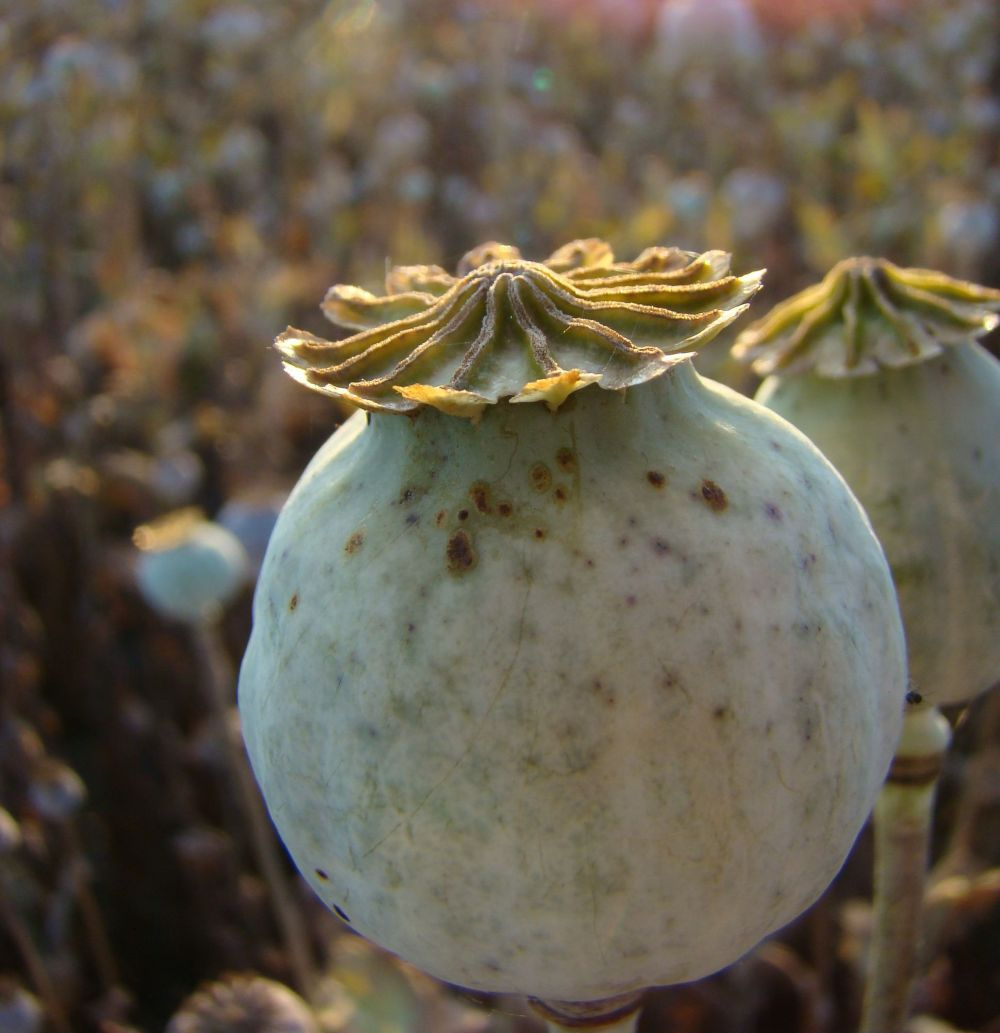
{"x":914,"y":697}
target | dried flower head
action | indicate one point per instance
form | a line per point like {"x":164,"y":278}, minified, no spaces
{"x":868,"y":314}
{"x":244,"y":1004}
{"x":509,"y":328}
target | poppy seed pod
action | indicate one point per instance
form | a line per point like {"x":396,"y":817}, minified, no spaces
{"x":879,"y":366}
{"x":571,"y":672}
{"x":189,"y":567}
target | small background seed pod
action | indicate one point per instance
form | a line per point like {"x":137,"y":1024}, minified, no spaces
{"x":189,"y":567}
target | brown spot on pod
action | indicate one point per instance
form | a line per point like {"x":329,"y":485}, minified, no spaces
{"x":354,"y":542}
{"x":480,"y":495}
{"x":459,"y":553}
{"x":322,"y":875}
{"x":713,"y":496}
{"x":505,"y":508}
{"x":541,"y":477}
{"x":539,"y":533}
{"x":772,"y":512}
{"x":566,"y":459}
{"x":660,"y":546}
{"x":655,"y":478}
{"x":440,"y":518}
{"x":561,"y":494}
{"x":463,"y":514}
{"x":293,"y":602}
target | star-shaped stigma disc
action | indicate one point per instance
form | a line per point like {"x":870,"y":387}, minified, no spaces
{"x":867,"y":315}
{"x":508,"y":328}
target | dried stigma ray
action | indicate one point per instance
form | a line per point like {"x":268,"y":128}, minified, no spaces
{"x":509,"y":328}
{"x":866,"y":315}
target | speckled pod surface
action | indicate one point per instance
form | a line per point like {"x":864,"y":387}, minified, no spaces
{"x":572,"y":700}
{"x":879,"y":366}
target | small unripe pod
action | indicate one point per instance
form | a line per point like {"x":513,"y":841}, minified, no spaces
{"x":189,"y":567}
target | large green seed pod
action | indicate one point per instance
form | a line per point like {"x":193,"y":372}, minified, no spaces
{"x":567,"y":698}
{"x":880,"y":367}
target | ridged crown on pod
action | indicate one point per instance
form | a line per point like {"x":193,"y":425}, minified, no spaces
{"x":507,"y":328}
{"x":249,"y":1004}
{"x":867,"y":315}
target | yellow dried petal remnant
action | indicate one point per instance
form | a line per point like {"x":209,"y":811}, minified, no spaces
{"x":866,"y":315}
{"x":505,"y":327}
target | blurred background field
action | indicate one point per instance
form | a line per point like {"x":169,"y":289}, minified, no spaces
{"x":180,"y":179}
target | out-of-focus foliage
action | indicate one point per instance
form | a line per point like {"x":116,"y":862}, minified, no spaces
{"x":179,"y":179}
{"x":258,"y":140}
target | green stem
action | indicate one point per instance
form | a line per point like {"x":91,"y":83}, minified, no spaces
{"x":902,"y":839}
{"x":263,"y":841}
{"x":626,"y":1025}
{"x":613,"y":1015}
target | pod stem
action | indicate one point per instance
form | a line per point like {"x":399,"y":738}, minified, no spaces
{"x":263,"y":842}
{"x":612,"y":1015}
{"x":902,"y":839}
{"x":627,"y":1025}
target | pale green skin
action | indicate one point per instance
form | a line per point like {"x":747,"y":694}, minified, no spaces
{"x":614,"y":755}
{"x":920,"y":446}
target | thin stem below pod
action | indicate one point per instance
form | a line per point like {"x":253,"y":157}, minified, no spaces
{"x":267,"y":854}
{"x":613,"y":1015}
{"x":627,"y":1025}
{"x":902,"y":838}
